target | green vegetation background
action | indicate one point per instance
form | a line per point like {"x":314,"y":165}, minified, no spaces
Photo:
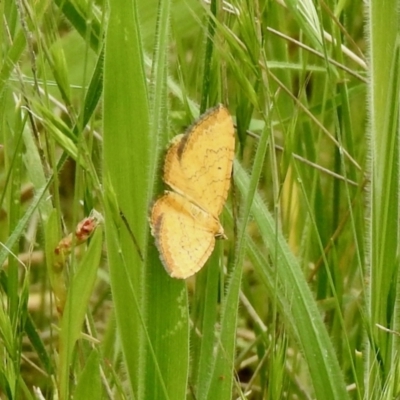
{"x":301,"y":300}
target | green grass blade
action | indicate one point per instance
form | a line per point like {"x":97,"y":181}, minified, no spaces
{"x":127,"y":144}
{"x":297,"y":301}
{"x":78,"y":13}
{"x":89,"y":384}
{"x":79,"y":292}
{"x":383,"y":237}
{"x":19,"y":229}
{"x":306,"y":15}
